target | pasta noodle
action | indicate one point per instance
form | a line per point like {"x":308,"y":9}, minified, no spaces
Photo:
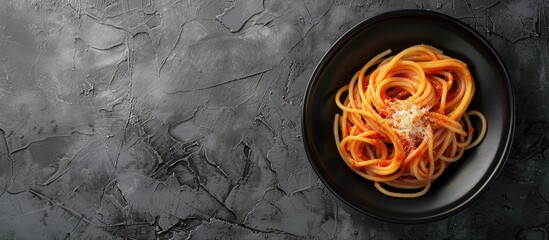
{"x":404,"y":121}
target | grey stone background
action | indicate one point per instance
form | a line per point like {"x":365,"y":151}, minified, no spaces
{"x":143,"y":119}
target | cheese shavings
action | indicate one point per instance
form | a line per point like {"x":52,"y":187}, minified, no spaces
{"x":409,"y":121}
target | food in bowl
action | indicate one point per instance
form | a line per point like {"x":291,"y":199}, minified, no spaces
{"x":404,"y":119}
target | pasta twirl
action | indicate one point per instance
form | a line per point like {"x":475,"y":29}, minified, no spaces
{"x":404,"y":118}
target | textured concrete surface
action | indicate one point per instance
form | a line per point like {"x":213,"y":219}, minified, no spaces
{"x":143,"y":119}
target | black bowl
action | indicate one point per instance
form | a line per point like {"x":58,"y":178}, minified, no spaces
{"x":464,"y":180}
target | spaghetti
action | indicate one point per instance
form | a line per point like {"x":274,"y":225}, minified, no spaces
{"x":405,"y":121}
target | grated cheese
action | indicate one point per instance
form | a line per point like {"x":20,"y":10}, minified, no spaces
{"x":408,"y":120}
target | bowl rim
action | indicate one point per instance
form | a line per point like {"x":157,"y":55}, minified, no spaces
{"x":349,"y":34}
